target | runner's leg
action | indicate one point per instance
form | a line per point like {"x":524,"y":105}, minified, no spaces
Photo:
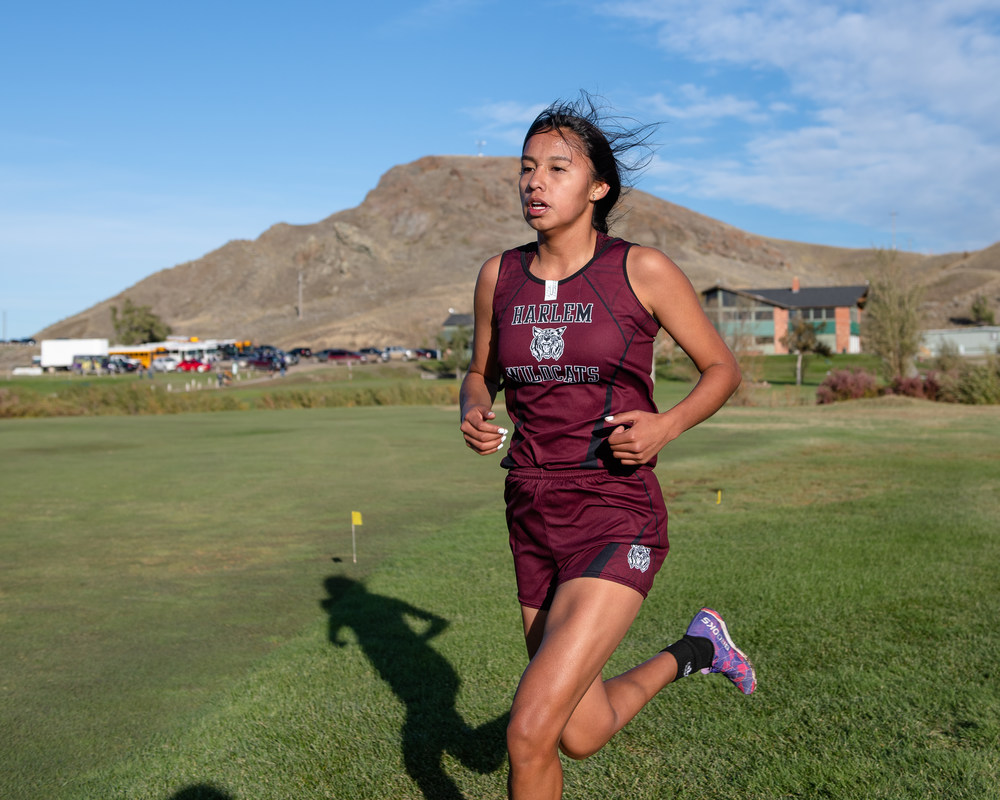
{"x":561,"y":699}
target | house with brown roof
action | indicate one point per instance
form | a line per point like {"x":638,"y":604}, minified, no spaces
{"x":756,"y":320}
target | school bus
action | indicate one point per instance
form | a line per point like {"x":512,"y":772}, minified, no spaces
{"x":143,"y":353}
{"x":180,"y":348}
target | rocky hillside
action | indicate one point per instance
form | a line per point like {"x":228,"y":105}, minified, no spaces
{"x":389,"y":270}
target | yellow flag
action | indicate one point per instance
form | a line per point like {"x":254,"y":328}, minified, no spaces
{"x":355,"y":517}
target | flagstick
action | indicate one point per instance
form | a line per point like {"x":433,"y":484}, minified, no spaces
{"x":355,"y":521}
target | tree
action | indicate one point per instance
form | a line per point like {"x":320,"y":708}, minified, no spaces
{"x":138,"y":324}
{"x":891,"y":326}
{"x":982,"y":314}
{"x":801,"y":339}
{"x":456,"y":349}
{"x":735,"y":324}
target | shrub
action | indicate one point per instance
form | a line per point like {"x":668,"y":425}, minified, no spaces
{"x":847,"y":384}
{"x":971,"y":384}
{"x":982,"y":314}
{"x":936,"y":383}
{"x":131,"y":398}
{"x":948,"y":358}
{"x":909,"y":387}
{"x":968,"y":383}
{"x":979,"y":384}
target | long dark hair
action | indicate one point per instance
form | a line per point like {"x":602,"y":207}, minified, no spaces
{"x":618,"y":152}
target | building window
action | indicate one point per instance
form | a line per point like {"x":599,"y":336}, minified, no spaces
{"x":818,"y":314}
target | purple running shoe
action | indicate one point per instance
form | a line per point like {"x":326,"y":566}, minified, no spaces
{"x":728,"y":659}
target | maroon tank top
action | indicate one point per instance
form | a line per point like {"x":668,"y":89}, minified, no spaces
{"x":571,"y":353}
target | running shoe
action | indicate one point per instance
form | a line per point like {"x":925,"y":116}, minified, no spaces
{"x":728,"y":658}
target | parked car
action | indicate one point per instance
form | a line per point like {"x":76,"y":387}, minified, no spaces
{"x":397,"y":352}
{"x":341,"y":356}
{"x":193,"y":365}
{"x":374,"y":353}
{"x":268,"y":361}
{"x":165,"y":364}
{"x":425,"y":353}
{"x":244,"y":357}
{"x":301,"y":352}
{"x":122,"y":364}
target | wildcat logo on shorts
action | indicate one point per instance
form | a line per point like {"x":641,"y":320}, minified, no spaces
{"x":548,"y":343}
{"x":638,"y":557}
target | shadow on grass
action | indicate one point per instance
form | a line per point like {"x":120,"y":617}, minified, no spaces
{"x":425,"y":682}
{"x":200,"y":792}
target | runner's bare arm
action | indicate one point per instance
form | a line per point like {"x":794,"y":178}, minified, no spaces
{"x":479,"y":387}
{"x":668,"y":295}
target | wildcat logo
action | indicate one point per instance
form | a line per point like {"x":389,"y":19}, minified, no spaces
{"x":638,"y":557}
{"x":548,"y":343}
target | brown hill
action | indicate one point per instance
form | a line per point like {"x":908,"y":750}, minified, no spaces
{"x":387,"y":271}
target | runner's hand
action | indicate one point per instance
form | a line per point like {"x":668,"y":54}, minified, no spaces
{"x":480,"y":434}
{"x":638,"y":436}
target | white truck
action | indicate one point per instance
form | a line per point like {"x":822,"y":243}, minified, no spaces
{"x":59,"y":353}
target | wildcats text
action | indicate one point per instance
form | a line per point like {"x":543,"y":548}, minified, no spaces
{"x":552,"y":372}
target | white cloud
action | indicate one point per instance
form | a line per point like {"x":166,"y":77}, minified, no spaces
{"x":694,"y":104}
{"x":505,"y":122}
{"x":859,"y":170}
{"x":941,"y":55}
{"x":893,"y":102}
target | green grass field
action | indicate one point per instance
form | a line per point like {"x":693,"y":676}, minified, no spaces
{"x":182,"y":619}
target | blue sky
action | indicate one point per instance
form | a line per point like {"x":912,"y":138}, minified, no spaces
{"x":134,"y":137}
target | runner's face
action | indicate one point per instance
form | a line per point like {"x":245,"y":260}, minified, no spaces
{"x":557,"y":185}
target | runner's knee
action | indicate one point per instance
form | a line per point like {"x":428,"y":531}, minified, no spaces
{"x":528,"y":741}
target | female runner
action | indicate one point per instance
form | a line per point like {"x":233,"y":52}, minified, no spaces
{"x":566,"y":325}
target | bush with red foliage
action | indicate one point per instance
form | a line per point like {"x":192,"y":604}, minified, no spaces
{"x":913,"y":386}
{"x":935,"y":385}
{"x":971,"y":383}
{"x":847,"y":384}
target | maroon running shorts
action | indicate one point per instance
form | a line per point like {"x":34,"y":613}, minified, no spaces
{"x":569,"y":524}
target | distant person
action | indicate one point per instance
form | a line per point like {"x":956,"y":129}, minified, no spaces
{"x":566,"y":326}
